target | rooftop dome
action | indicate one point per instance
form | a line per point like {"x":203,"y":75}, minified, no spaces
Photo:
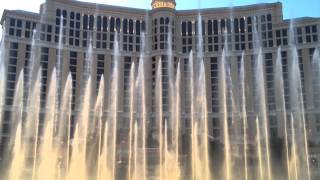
{"x":156,"y":4}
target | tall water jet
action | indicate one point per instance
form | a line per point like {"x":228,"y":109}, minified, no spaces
{"x":141,"y":87}
{"x":18,"y":159}
{"x":78,"y":167}
{"x":2,"y":77}
{"x":18,"y":156}
{"x":260,"y":98}
{"x":31,"y":129}
{"x":79,"y":145}
{"x":294,"y":158}
{"x":192,"y":117}
{"x":262,"y":110}
{"x":47,"y":163}
{"x":131,"y":130}
{"x":316,"y":70}
{"x":244,"y":116}
{"x":177,"y":121}
{"x":259,"y":151}
{"x":223,"y":90}
{"x":113,"y":109}
{"x":59,"y":62}
{"x":135,"y":149}
{"x":63,"y":129}
{"x":280,"y":87}
{"x":297,"y":109}
{"x":160,"y":117}
{"x":204,"y":123}
{"x":99,"y":116}
{"x":104,"y":171}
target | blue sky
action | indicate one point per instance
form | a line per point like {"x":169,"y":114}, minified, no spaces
{"x":291,"y":8}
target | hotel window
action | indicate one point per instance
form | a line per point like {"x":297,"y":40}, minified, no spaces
{"x":153,"y":85}
{"x":100,"y":69}
{"x":87,"y":34}
{"x":298,"y":35}
{"x":250,"y":35}
{"x":138,"y":35}
{"x":226,"y":33}
{"x":282,"y":37}
{"x":12,"y":72}
{"x":60,"y":18}
{"x":126,"y":83}
{"x":112,"y":30}
{"x":187,"y":86}
{"x":15,"y":28}
{"x":165,"y":25}
{"x":301,"y":68}
{"x":45,"y":32}
{"x":239,"y":30}
{"x":154,"y":34}
{"x":165,"y":82}
{"x":273,"y":126}
{"x":118,"y":25}
{"x":44,"y":74}
{"x":27,"y":73}
{"x":269,"y":80}
{"x":186,"y":36}
{"x":311,"y":33}
{"x":214,"y":74}
{"x":73,"y":72}
{"x":266,"y":30}
{"x":74,"y":30}
{"x":101,"y":36}
{"x":29,"y":27}
{"x":203,"y":29}
{"x":125,"y":35}
{"x":285,"y":73}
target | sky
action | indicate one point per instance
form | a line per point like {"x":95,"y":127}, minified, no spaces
{"x":291,"y":8}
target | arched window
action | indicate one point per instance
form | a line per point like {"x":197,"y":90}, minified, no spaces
{"x":118,"y":24}
{"x":112,"y":24}
{"x":125,"y":26}
{"x":138,"y":25}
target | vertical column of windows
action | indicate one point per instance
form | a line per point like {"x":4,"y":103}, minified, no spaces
{"x":239,"y":30}
{"x":298,"y":35}
{"x":100,"y":69}
{"x":164,"y":31}
{"x":102,"y":29}
{"x":186,"y":27}
{"x":269,"y":74}
{"x":60,"y":14}
{"x":44,"y":74}
{"x":126,"y":84}
{"x":285,"y":73}
{"x":266,"y":30}
{"x":10,"y":89}
{"x":74,"y":29}
{"x":11,"y":73}
{"x":250,"y":35}
{"x":214,"y":84}
{"x":203,"y":29}
{"x":73,"y":72}
{"x":26,"y":75}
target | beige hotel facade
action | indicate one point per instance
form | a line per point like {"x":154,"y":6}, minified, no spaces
{"x":83,"y":23}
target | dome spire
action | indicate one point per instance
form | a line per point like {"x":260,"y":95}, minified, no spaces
{"x":156,"y":4}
